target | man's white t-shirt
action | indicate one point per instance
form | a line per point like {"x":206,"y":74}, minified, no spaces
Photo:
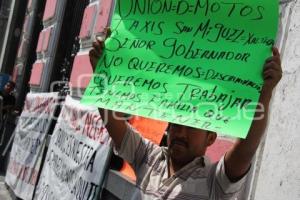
{"x":199,"y":180}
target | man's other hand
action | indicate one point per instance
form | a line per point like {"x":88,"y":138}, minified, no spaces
{"x":272,"y":72}
{"x":97,"y":50}
{"x":238,"y":159}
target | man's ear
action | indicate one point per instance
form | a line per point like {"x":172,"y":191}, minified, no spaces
{"x":211,"y":138}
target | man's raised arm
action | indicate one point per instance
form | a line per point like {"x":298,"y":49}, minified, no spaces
{"x":114,"y":121}
{"x":238,"y":159}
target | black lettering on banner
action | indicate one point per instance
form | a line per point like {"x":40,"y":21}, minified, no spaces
{"x":213,"y":75}
{"x":260,"y":10}
{"x":121,"y":95}
{"x":35,"y":124}
{"x":177,"y":105}
{"x":60,"y":168}
{"x":149,"y":111}
{"x":112,"y":62}
{"x":195,"y":92}
{"x":196,"y":121}
{"x":148,"y":84}
{"x":190,"y":51}
{"x":229,"y":34}
{"x":96,"y":90}
{"x":206,"y":125}
{"x":90,"y":164}
{"x":104,"y":100}
{"x":252,"y":40}
{"x":30,"y":145}
{"x":204,"y":28}
{"x":84,"y":189}
{"x":204,"y":7}
{"x":201,"y":6}
{"x":163,"y":115}
{"x":45,"y":192}
{"x":153,"y":27}
{"x":132,"y":107}
{"x":73,"y":148}
{"x":182,"y":28}
{"x":182,"y":119}
{"x":213,"y":115}
{"x":118,"y":104}
{"x":246,"y":10}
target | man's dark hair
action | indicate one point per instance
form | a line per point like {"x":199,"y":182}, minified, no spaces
{"x":13,"y":84}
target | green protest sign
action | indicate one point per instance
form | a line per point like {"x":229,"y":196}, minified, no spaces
{"x":196,"y":63}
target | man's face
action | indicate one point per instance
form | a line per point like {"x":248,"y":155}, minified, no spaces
{"x":186,"y":143}
{"x":8,"y":88}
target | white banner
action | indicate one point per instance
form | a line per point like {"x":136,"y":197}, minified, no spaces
{"x":77,"y":157}
{"x":29,"y":142}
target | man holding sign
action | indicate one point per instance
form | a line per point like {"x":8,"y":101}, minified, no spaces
{"x":181,"y":171}
{"x":214,"y":64}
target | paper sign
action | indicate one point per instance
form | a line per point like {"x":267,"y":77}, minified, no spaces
{"x":197,"y":63}
{"x":77,"y":156}
{"x":29,"y":143}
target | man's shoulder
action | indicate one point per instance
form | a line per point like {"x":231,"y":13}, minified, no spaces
{"x":156,"y":151}
{"x":203,"y":168}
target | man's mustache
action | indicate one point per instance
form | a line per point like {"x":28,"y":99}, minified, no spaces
{"x":179,"y":141}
